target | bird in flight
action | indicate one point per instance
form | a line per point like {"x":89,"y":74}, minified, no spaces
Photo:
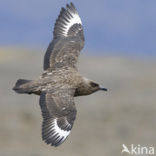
{"x":60,"y":81}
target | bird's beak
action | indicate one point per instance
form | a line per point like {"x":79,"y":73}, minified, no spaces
{"x":102,"y":88}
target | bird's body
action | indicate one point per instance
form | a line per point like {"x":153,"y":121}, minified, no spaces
{"x":57,"y":78}
{"x":60,"y":81}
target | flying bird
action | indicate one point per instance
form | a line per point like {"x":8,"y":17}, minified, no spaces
{"x":60,"y":81}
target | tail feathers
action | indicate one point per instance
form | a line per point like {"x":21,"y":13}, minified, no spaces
{"x":21,"y":86}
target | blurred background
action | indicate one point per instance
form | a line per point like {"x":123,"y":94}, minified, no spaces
{"x":119,"y":53}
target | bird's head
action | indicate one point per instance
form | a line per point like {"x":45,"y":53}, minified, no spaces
{"x":95,"y":87}
{"x":88,"y":87}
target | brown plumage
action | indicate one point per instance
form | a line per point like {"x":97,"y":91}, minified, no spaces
{"x":60,"y":81}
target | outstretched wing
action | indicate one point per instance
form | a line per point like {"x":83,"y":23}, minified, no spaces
{"x":59,"y":112}
{"x":68,"y":39}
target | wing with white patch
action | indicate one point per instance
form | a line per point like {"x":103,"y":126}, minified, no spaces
{"x":59,"y":112}
{"x":68,"y":39}
{"x":67,"y":18}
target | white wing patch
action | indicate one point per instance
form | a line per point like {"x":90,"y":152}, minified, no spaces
{"x":62,"y":134}
{"x":74,"y":20}
{"x":66,"y":19}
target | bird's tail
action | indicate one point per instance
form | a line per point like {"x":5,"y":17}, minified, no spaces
{"x":23,"y":86}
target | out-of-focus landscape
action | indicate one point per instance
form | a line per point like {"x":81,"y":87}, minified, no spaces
{"x":125,"y":114}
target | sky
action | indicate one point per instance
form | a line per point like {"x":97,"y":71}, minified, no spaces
{"x":126,"y":27}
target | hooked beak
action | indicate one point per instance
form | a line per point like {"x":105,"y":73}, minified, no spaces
{"x":102,"y":88}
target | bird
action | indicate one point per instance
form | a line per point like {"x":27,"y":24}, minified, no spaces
{"x":60,"y":81}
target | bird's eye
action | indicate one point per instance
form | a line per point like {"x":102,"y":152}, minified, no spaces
{"x":94,"y":84}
